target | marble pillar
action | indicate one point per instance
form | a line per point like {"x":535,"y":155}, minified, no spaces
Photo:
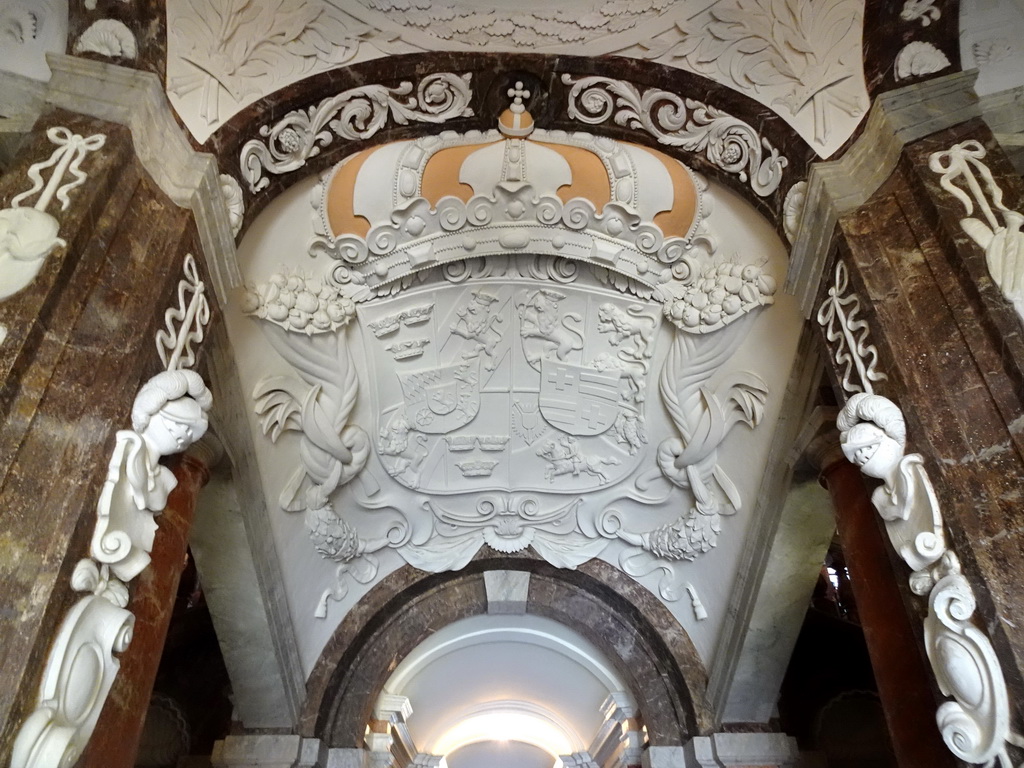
{"x":115,"y":741}
{"x":901,"y":673}
{"x":78,"y":342}
{"x":949,"y":352}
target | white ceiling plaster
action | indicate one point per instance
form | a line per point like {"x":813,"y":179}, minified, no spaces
{"x":805,"y":65}
{"x":501,"y":679}
{"x":385,"y":497}
{"x":991,"y":40}
{"x":29,"y":29}
{"x":507,"y":754}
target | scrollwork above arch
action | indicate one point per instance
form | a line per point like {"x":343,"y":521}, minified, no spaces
{"x":387,"y":96}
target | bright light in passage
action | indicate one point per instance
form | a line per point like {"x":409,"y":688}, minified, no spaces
{"x":506,"y":726}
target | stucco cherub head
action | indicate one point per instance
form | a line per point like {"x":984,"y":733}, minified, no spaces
{"x":170,"y":411}
{"x":873,"y":434}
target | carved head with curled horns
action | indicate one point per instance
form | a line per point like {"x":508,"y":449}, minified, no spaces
{"x":170,"y":411}
{"x":873,"y":434}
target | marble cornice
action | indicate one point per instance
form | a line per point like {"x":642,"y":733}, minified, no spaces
{"x":896,"y":119}
{"x":137,"y":100}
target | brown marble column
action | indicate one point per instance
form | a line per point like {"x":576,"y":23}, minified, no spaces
{"x":80,"y":341}
{"x":897,"y":657}
{"x":952,"y":350}
{"x":115,"y":741}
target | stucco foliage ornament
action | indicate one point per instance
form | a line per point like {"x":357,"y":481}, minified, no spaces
{"x":918,"y":59}
{"x":108,"y":37}
{"x":318,"y":405}
{"x":168,"y":415}
{"x":853,"y":355}
{"x":231,"y":46}
{"x":357,"y":113}
{"x":29,"y":235}
{"x":725,"y":141}
{"x":465,"y":23}
{"x":975,"y":725}
{"x":1000,"y":237}
{"x":809,"y":50}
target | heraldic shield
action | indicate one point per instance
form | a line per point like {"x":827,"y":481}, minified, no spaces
{"x":511,"y":384}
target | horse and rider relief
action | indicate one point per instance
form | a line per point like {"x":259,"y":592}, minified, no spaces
{"x":521,"y":385}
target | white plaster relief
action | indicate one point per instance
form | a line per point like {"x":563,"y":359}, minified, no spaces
{"x":185,"y":324}
{"x":357,"y":113}
{"x":29,"y":235}
{"x":798,"y":57}
{"x":874,"y":437}
{"x":725,"y":141}
{"x":108,"y":37}
{"x":29,"y":30}
{"x":79,"y":673}
{"x":168,"y":415}
{"x":920,"y":10}
{"x":802,"y":58}
{"x":975,"y":725}
{"x":515,"y":218}
{"x":853,"y":355}
{"x":234,"y":50}
{"x":918,"y":59}
{"x":992,"y":51}
{"x":231,"y":191}
{"x":793,"y":209}
{"x":990,"y":42}
{"x":552,"y":378}
{"x":1000,"y":237}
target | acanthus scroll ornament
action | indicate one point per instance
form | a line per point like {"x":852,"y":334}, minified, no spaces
{"x":29,"y":235}
{"x":1002,"y":241}
{"x":725,"y":141}
{"x":838,"y":316}
{"x":223,"y":48}
{"x":355,"y":114}
{"x":806,"y":52}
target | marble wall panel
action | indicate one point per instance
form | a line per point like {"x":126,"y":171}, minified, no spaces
{"x":953,"y":373}
{"x":81,"y":341}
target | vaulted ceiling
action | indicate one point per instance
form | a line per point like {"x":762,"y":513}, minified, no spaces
{"x":560,"y":341}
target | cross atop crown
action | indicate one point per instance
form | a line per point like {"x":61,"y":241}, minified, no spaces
{"x":517,"y":94}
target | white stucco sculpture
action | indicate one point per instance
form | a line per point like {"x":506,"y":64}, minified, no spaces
{"x":29,"y":235}
{"x":873,"y":434}
{"x":169,"y":415}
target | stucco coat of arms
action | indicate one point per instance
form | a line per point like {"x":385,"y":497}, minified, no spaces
{"x":533,"y":368}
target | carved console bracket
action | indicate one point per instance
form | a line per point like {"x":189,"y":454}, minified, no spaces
{"x":29,"y":235}
{"x":975,"y":724}
{"x":169,"y":414}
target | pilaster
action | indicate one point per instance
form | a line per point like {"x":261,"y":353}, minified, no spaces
{"x":921,"y":308}
{"x":79,"y":342}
